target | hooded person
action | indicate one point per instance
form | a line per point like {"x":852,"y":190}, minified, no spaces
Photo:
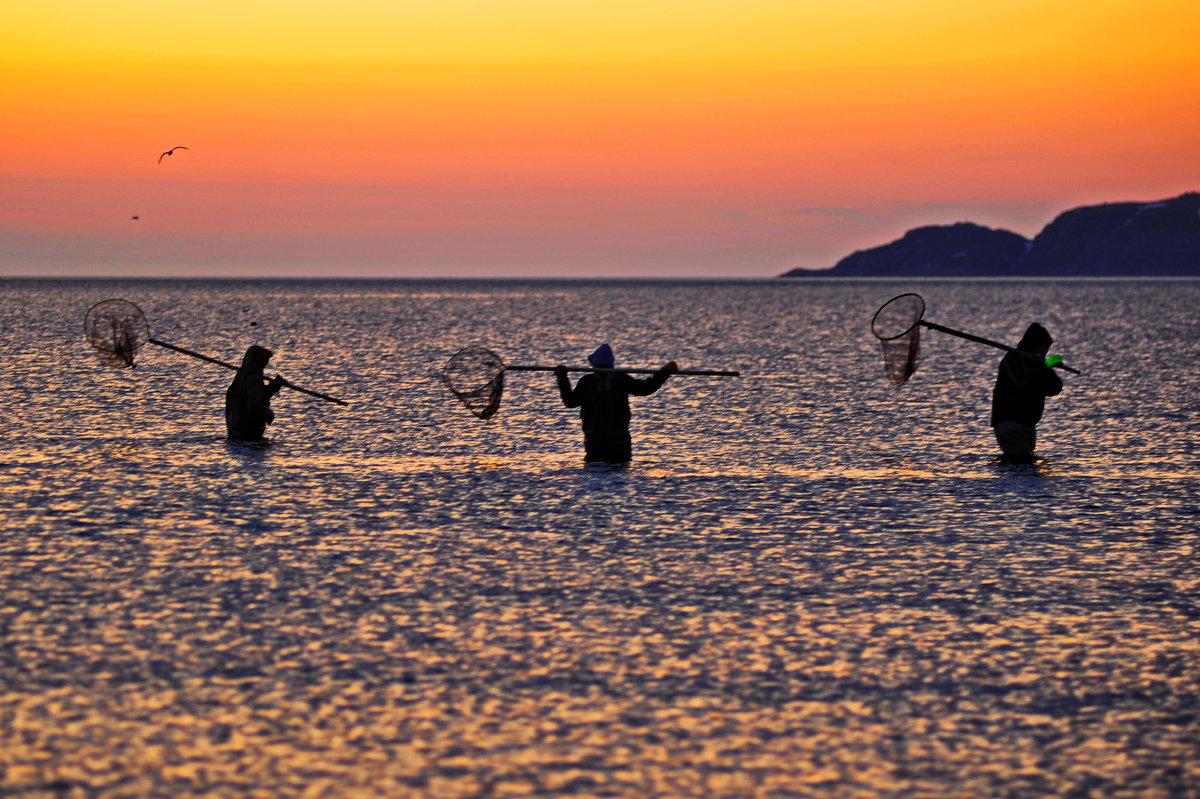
{"x":248,"y":398}
{"x":603,"y":402}
{"x":1023,"y":382}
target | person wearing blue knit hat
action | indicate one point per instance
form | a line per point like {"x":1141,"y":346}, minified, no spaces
{"x":603,"y":401}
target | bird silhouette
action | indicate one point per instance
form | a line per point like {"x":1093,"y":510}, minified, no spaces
{"x":169,"y":152}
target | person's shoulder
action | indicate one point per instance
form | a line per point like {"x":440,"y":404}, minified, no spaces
{"x":1016,"y":359}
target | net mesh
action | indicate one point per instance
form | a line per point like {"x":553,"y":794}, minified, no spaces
{"x":476,"y":376}
{"x":900,"y":357}
{"x":117,"y":329}
{"x":897,"y":326}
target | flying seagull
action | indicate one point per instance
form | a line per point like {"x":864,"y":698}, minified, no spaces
{"x":169,"y":152}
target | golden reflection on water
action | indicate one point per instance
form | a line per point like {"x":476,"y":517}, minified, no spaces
{"x":802,"y":586}
{"x":201,"y":665}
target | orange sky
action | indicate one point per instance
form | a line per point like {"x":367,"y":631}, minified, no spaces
{"x":545,"y":137}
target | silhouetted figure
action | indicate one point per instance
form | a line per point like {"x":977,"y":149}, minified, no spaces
{"x":248,"y":399}
{"x":1023,"y":382}
{"x":603,"y":402}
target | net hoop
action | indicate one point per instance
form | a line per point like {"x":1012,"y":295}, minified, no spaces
{"x":475,"y":375}
{"x":901,"y":313}
{"x":897,"y":325}
{"x":117,"y":329}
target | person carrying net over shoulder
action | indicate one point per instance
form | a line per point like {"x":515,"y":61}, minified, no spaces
{"x":603,"y":402}
{"x":248,"y":398}
{"x":1024,"y":380}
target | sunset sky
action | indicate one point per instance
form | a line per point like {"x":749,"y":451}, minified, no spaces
{"x":729,"y":138}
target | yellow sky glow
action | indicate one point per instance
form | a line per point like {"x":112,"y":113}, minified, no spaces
{"x":913,"y":103}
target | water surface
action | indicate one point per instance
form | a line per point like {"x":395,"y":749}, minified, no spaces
{"x":809,"y":583}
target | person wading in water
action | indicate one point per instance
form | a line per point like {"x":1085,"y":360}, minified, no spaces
{"x":1023,"y":382}
{"x":248,"y":398}
{"x":603,"y":402}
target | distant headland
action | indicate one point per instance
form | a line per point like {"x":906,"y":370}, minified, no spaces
{"x":1127,"y":239}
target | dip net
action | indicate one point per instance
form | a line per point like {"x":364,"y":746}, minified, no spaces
{"x":476,"y":376}
{"x":897,"y":326}
{"x":117,"y":329}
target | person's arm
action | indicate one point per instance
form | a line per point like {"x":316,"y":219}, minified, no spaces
{"x":570,"y":397}
{"x":1029,"y":372}
{"x":644,"y":388}
{"x":1049,"y":383}
{"x":252,"y":401}
{"x":273,"y":385}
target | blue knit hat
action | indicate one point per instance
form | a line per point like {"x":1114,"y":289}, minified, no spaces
{"x":603,"y":357}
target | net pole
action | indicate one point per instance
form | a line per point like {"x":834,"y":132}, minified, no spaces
{"x":988,"y":342}
{"x":693,"y":372}
{"x":164,"y":344}
{"x":228,"y":365}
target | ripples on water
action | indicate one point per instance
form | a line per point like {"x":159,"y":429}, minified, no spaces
{"x":811,"y":583}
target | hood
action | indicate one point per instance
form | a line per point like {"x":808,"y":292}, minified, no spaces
{"x":1036,"y":339}
{"x":256,"y":358}
{"x":603,"y":357}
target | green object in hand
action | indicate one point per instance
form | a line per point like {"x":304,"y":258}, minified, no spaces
{"x":1053,"y":360}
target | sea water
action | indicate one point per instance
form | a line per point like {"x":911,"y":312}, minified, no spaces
{"x":808,"y":583}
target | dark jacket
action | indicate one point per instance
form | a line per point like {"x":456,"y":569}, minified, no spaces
{"x":603,"y":400}
{"x":248,"y":399}
{"x":1023,"y":380}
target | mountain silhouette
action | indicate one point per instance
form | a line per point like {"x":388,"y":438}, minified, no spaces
{"x":1126,"y":239}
